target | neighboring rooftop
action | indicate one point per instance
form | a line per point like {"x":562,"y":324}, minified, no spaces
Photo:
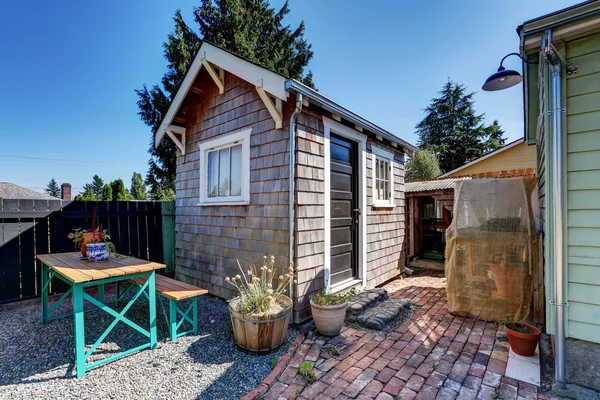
{"x":11,"y":191}
{"x":432,"y":184}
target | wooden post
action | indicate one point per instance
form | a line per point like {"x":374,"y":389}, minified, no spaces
{"x":168,"y":234}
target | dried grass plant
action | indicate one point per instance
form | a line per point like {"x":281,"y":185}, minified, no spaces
{"x":260,"y":286}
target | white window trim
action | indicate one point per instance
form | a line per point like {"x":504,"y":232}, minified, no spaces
{"x":242,"y":137}
{"x":377,"y":151}
{"x":361,"y":139}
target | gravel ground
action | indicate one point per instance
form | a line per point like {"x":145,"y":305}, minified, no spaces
{"x":37,"y":361}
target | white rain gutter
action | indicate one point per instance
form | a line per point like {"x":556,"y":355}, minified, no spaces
{"x":292,"y":188}
{"x":556,"y":63}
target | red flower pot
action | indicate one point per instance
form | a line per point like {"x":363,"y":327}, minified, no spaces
{"x":523,"y":344}
{"x":89,"y":237}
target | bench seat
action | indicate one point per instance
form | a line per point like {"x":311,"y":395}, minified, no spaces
{"x":172,"y":288}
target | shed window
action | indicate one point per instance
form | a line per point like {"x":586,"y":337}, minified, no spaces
{"x":383,"y":178}
{"x":225,"y":169}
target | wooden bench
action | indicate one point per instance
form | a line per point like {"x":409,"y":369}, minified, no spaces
{"x":174,"y":291}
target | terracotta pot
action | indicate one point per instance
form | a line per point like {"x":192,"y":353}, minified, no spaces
{"x":523,"y":344}
{"x":89,"y":237}
{"x":501,"y":279}
{"x":261,"y":334}
{"x":329,"y":319}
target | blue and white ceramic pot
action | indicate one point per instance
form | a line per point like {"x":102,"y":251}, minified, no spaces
{"x":97,"y":252}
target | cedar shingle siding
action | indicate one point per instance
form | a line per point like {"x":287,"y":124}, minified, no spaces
{"x":210,"y":238}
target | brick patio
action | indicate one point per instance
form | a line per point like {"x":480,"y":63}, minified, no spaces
{"x":433,"y":355}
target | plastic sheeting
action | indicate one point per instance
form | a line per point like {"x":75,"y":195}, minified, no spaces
{"x":491,"y":248}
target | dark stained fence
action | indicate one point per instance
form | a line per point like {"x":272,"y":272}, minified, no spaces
{"x":32,"y":227}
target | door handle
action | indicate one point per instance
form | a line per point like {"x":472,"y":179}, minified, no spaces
{"x":357,"y":213}
{"x":358,"y":210}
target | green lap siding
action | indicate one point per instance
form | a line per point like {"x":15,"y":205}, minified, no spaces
{"x":583,"y":189}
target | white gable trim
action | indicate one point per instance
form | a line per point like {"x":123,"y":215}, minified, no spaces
{"x":270,"y":82}
{"x":488,"y":155}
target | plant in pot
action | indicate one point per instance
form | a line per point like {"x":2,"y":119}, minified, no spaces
{"x":523,"y":338}
{"x":329,"y":311}
{"x":261,"y":314}
{"x":94,"y":244}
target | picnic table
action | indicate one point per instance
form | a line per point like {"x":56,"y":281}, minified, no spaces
{"x":80,"y":274}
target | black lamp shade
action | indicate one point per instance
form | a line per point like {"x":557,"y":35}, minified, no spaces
{"x":502,"y":79}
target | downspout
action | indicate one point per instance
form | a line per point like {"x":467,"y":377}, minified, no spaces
{"x":292,"y":188}
{"x":555,"y":62}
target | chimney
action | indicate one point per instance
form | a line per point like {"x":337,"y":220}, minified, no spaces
{"x":65,"y":191}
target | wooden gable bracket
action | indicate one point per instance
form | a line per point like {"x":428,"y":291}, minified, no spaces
{"x":172,"y":131}
{"x":274,"y":109}
{"x":218,"y":78}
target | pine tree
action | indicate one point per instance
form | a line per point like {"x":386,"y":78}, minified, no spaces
{"x":107,"y":193}
{"x":453,"y":131}
{"x":97,"y":187}
{"x":119,"y":193}
{"x":52,"y":189}
{"x":423,"y":165}
{"x":138,"y":188}
{"x":249,"y":28}
{"x":87,"y":195}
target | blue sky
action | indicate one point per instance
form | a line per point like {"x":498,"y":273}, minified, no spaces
{"x":69,"y":70}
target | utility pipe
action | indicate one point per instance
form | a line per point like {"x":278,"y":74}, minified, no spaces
{"x":559,"y":302}
{"x":292,"y":198}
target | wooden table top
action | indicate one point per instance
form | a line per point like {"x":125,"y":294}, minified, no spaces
{"x":76,"y":270}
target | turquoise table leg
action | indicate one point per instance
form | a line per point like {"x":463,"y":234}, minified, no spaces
{"x":78,"y":314}
{"x":101,"y":293}
{"x":44,"y":293}
{"x":172,"y":319}
{"x":152,"y":307}
{"x":195,"y":316}
{"x":117,"y":295}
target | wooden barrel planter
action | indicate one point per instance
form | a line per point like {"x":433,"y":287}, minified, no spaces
{"x":258,"y":333}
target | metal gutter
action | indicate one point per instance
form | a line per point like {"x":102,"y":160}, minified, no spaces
{"x":292,"y":187}
{"x":330,"y":105}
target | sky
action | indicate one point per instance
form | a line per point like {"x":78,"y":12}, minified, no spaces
{"x":69,"y":69}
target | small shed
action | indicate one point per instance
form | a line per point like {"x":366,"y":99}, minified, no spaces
{"x":331,"y":199}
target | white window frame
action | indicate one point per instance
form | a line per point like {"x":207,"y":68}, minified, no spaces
{"x":389,"y":157}
{"x":242,"y":137}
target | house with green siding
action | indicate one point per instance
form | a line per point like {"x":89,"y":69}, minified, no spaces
{"x":568,"y":179}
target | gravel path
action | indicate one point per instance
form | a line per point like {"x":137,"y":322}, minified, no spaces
{"x":36,"y":361}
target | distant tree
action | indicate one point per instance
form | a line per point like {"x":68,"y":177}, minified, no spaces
{"x":107,"y":193}
{"x":87,"y":195}
{"x":52,"y":189}
{"x":119,"y":193}
{"x":167,"y":194}
{"x":249,"y":28}
{"x":97,"y":187}
{"x":453,"y":131}
{"x":138,"y":188}
{"x":423,"y":165}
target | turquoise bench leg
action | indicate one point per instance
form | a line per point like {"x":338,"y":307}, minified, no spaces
{"x":172,"y":319}
{"x":195,"y":316}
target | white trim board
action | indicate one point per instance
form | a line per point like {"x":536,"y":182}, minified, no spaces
{"x":488,"y":155}
{"x":271,"y":82}
{"x":344,"y":131}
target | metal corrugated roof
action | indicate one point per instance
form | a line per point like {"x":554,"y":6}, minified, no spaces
{"x":432,"y":184}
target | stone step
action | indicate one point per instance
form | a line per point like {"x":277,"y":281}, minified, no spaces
{"x":373,"y":309}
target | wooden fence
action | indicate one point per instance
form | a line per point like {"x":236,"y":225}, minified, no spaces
{"x":31,"y":227}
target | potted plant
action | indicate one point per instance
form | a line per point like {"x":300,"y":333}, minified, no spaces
{"x":523,"y":338}
{"x":261,"y":314}
{"x":500,"y":275}
{"x":329,"y":311}
{"x":98,"y":238}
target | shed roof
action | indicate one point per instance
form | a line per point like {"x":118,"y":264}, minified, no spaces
{"x":432,"y":184}
{"x":11,"y":191}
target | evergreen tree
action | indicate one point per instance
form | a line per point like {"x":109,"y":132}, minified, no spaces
{"x":453,"y":131}
{"x":87,"y":195}
{"x":249,"y":28}
{"x":423,"y":165}
{"x":107,"y":193}
{"x":138,"y":188}
{"x":52,"y":189}
{"x":119,"y":193}
{"x":97,"y":187}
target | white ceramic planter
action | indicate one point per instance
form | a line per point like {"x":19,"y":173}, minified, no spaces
{"x":329,"y":319}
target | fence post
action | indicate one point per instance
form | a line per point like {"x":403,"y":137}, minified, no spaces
{"x":168,"y":234}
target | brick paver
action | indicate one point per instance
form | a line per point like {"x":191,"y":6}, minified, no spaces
{"x":432,"y":355}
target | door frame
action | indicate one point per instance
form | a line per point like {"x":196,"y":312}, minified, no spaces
{"x":331,"y":126}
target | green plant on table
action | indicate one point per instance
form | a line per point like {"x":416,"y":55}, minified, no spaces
{"x":260,"y":287}
{"x":329,"y":299}
{"x":306,"y":370}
